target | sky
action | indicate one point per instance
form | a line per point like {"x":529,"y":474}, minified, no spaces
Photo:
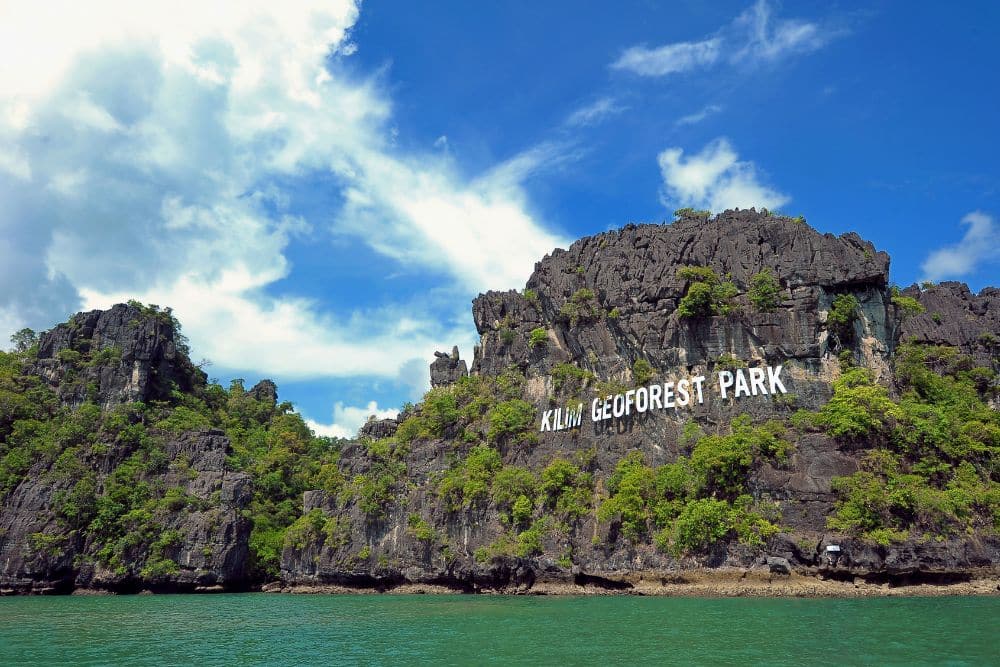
{"x":320,"y":188}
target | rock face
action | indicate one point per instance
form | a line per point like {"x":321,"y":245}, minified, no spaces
{"x":955,"y":316}
{"x":375,"y":514}
{"x":632,"y":273}
{"x":141,"y":349}
{"x":447,"y":368}
{"x":211,"y":546}
{"x":603,"y":304}
{"x":196,"y":503}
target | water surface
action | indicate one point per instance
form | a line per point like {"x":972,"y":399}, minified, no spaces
{"x":243,"y":629}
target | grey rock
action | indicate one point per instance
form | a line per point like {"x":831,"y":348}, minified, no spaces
{"x":778,"y":565}
{"x":377,"y":429}
{"x":144,"y":362}
{"x":447,"y":368}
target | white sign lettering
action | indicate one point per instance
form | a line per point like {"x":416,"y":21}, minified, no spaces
{"x":681,"y":393}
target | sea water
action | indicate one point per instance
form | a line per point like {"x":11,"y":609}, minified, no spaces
{"x":268,"y":629}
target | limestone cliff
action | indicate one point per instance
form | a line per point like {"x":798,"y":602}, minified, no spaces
{"x":121,"y":467}
{"x":587,"y":315}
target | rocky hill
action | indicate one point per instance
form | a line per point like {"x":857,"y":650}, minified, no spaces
{"x":123,"y":468}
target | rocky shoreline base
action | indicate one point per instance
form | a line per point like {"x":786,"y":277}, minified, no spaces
{"x":697,"y":583}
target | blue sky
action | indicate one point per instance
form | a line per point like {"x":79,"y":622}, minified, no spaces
{"x":319,"y":189}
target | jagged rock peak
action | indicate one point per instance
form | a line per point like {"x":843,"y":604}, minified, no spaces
{"x":265,"y":391}
{"x":127,"y":353}
{"x":612,"y":298}
{"x":447,"y":368}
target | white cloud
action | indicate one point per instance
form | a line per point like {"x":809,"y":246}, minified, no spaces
{"x":980,"y":245}
{"x":595,"y":112}
{"x":348,"y":419}
{"x":754,"y":36}
{"x":768,"y":40}
{"x":155,"y":151}
{"x":714,"y":179}
{"x":698,"y":116}
{"x":668,"y":59}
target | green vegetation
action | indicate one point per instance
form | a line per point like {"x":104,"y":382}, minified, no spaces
{"x":581,"y":307}
{"x":124,"y":516}
{"x":935,"y":463}
{"x":565,"y":489}
{"x":699,"y":500}
{"x":538,"y":337}
{"x":907,"y":305}
{"x":468,"y":482}
{"x":689,"y":212}
{"x":765,"y":291}
{"x":642,"y":372}
{"x":530,"y":295}
{"x":24,"y":340}
{"x":570,"y":378}
{"x":727,"y":361}
{"x":420,"y":529}
{"x":843,"y":313}
{"x":511,"y":421}
{"x":707,"y":294}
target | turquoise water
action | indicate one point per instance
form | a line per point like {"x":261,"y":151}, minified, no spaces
{"x":454,"y":629}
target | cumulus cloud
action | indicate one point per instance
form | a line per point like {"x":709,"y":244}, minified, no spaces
{"x":348,"y":419}
{"x":156,"y":151}
{"x":979,"y":245}
{"x":714,"y":179}
{"x":753,"y":37}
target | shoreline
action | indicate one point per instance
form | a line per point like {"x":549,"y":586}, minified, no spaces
{"x":703,"y":583}
{"x":698,"y":583}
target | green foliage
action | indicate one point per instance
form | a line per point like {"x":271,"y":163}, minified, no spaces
{"x":727,"y":361}
{"x":570,"y":377}
{"x":23,"y":340}
{"x":765,"y":291}
{"x":538,"y":336}
{"x":69,"y":356}
{"x":511,"y":420}
{"x":106,"y":356}
{"x":530,"y":295}
{"x":632,"y":488}
{"x":375,"y":490}
{"x":529,"y":542}
{"x":705,"y":522}
{"x":859,"y":407}
{"x":843,"y":313}
{"x":700,"y":500}
{"x":437,"y":412}
{"x":524,"y":544}
{"x":642,"y":372}
{"x":689,"y":212}
{"x":581,"y":307}
{"x":700,"y":525}
{"x":420,"y":529}
{"x":566,"y":489}
{"x":467,"y":483}
{"x":907,"y":305}
{"x":933,"y":473}
{"x":707,"y":294}
{"x":511,"y":484}
{"x":614,"y":313}
{"x":183,"y":419}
